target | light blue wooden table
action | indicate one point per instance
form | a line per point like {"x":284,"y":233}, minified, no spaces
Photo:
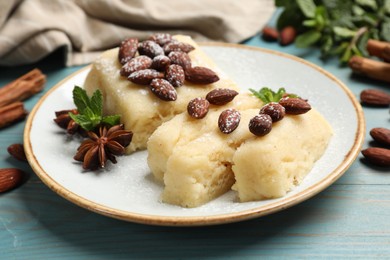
{"x":349,"y":219}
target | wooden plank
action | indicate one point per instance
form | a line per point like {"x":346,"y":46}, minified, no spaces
{"x":343,"y":221}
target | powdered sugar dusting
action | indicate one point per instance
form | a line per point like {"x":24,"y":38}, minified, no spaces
{"x":229,"y":120}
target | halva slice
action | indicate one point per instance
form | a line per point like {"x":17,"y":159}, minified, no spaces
{"x":198,"y":163}
{"x":141,"y":111}
{"x":269,"y":166}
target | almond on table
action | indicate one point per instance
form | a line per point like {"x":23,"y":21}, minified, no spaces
{"x":10,"y":178}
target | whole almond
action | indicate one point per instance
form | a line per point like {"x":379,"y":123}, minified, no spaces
{"x":163,"y":89}
{"x":150,"y":48}
{"x":381,"y":135}
{"x":275,"y":110}
{"x":127,"y":50}
{"x":138,"y":63}
{"x":229,"y":120}
{"x":201,"y":75}
{"x":177,"y":46}
{"x":161,"y":38}
{"x":270,"y":34}
{"x":175,"y":75}
{"x":144,"y":77}
{"x":221,"y":96}
{"x":10,"y":178}
{"x":160,"y":63}
{"x":375,"y":97}
{"x":198,"y":108}
{"x":17,"y":151}
{"x":287,"y":35}
{"x":377,"y":156}
{"x":260,"y":125}
{"x":295,"y":106}
{"x":180,"y":58}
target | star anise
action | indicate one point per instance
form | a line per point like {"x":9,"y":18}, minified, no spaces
{"x":64,"y":121}
{"x":102,"y":146}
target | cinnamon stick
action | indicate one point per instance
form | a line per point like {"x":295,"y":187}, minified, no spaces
{"x":379,"y":49}
{"x":371,"y":68}
{"x":22,"y":88}
{"x":12,"y":113}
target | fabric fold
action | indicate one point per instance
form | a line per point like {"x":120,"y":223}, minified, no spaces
{"x":32,"y":29}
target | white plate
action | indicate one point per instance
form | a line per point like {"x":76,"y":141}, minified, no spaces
{"x":127,"y":190}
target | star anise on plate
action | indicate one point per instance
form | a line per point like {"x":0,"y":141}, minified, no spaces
{"x":103,"y":145}
{"x":64,"y":121}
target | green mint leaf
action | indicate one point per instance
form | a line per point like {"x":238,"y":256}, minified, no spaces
{"x":267,"y":95}
{"x":307,"y":7}
{"x":343,"y":32}
{"x":326,"y":45}
{"x":80,"y":99}
{"x":258,"y":95}
{"x":346,"y":55}
{"x":97,"y":103}
{"x":362,"y":43}
{"x":92,"y":117}
{"x":83,"y":121}
{"x":307,"y":39}
{"x":355,"y":51}
{"x":111,"y":120}
{"x":385,"y":31}
{"x":368,"y":3}
{"x":278,"y":95}
{"x":90,"y":110}
{"x":339,"y":49}
{"x":290,"y":16}
{"x":386,"y":6}
{"x":357,"y":10}
{"x":310,"y":23}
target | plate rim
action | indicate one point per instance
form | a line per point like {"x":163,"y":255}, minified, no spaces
{"x":212,"y":219}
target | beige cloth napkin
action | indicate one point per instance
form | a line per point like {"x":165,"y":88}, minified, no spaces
{"x":32,"y":29}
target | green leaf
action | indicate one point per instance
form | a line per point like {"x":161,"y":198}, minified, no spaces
{"x":346,"y":56}
{"x":267,"y":95}
{"x":339,"y":49}
{"x":356,"y":51}
{"x":343,"y":32}
{"x":362,"y":43}
{"x":80,"y":99}
{"x":308,"y":38}
{"x":111,"y":120}
{"x":385,"y":31}
{"x":278,"y":96}
{"x":97,"y":103}
{"x":310,"y":23}
{"x":83,"y":121}
{"x":370,"y":19}
{"x":326,"y":45}
{"x":386,"y":6}
{"x":374,"y":34}
{"x":290,"y":16}
{"x":368,"y":3}
{"x":357,"y":10}
{"x":307,"y":7}
{"x":90,"y":110}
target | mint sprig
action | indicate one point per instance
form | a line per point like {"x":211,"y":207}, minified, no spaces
{"x":338,"y":28}
{"x":267,"y":95}
{"x":90,"y":110}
